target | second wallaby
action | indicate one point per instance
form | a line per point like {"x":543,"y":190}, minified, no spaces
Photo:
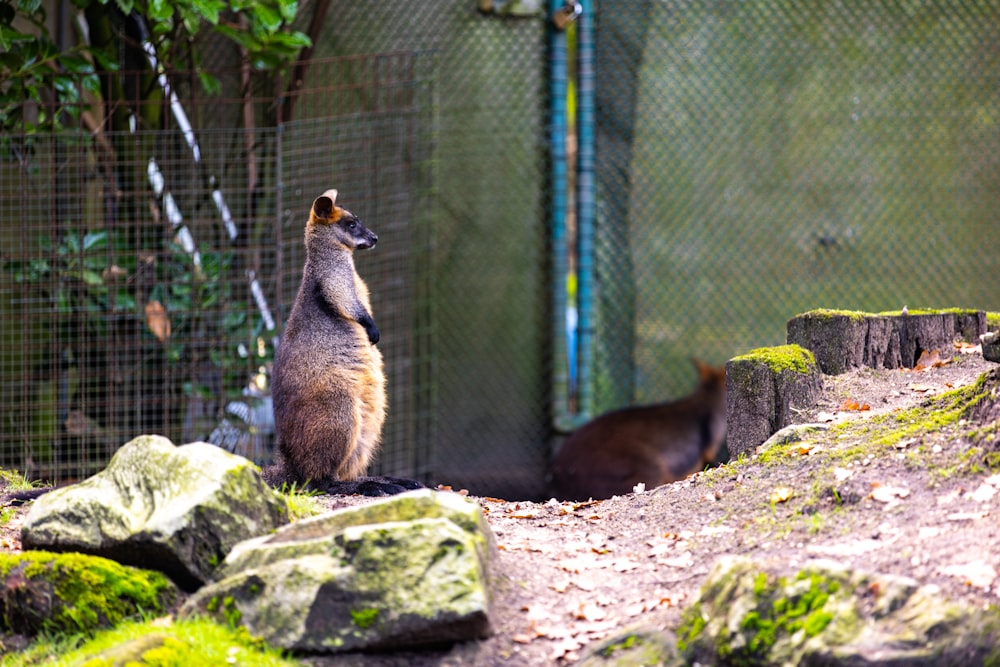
{"x":652,"y":444}
{"x":328,"y":384}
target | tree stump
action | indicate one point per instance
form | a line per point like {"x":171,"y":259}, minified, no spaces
{"x":762,"y":387}
{"x":843,"y":340}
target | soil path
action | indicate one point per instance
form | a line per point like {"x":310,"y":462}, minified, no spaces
{"x":572,"y":573}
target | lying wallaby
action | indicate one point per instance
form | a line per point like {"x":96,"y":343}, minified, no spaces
{"x":328,"y":385}
{"x":652,"y":444}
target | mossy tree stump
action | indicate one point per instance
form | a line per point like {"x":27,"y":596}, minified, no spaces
{"x":843,"y":339}
{"x":762,"y":387}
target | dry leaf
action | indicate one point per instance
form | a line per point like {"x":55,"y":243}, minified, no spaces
{"x":781,"y":494}
{"x":853,"y":406}
{"x":684,"y":561}
{"x":977,"y":573}
{"x":888,"y":494}
{"x":903,"y":444}
{"x":964,"y":347}
{"x":929,"y":359}
{"x":624,"y":565}
{"x":922,"y":388}
{"x":158,"y":321}
{"x":984,"y":493}
{"x":589,"y":612}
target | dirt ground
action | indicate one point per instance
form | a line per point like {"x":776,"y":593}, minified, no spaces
{"x":569,"y":574}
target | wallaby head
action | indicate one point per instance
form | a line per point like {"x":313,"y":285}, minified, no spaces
{"x":331,"y":223}
{"x":710,"y":378}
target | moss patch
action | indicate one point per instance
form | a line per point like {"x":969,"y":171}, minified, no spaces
{"x":159,"y":644}
{"x":76,"y":593}
{"x":782,"y":358}
{"x":829,"y":313}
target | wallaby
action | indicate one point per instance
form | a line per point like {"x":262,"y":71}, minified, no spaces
{"x":328,"y":385}
{"x":652,"y":444}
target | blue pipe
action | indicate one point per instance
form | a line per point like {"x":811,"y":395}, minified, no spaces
{"x":585,"y":207}
{"x":560,"y":263}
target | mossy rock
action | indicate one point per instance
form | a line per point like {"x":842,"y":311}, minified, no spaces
{"x":749,"y":613}
{"x":633,"y":648}
{"x":75,"y":593}
{"x":762,"y":388}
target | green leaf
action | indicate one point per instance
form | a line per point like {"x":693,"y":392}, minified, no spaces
{"x":244,"y":39}
{"x":209,"y":83}
{"x":268,"y":19}
{"x":288,"y":9}
{"x":208,"y":9}
{"x":160,"y":10}
{"x":95,"y":240}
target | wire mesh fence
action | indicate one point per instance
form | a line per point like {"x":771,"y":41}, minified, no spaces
{"x":146,"y":273}
{"x":774,"y":157}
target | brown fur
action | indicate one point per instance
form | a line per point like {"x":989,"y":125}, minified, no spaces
{"x":328,"y":384}
{"x":654,"y":444}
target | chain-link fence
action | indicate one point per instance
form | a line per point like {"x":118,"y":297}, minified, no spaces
{"x":754,"y":160}
{"x":146,"y":274}
{"x":759,"y":159}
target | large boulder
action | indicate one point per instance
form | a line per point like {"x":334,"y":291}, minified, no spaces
{"x":825,"y":614}
{"x":406,"y":571}
{"x":178,"y":510}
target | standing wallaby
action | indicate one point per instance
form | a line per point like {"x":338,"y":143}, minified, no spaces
{"x":328,"y":385}
{"x":653,"y":444}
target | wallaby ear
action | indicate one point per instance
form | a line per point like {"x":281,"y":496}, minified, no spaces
{"x":323,"y":206}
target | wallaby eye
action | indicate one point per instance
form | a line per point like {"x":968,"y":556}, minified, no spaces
{"x":352,"y":225}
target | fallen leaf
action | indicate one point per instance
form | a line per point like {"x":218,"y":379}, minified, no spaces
{"x":949,"y":497}
{"x":929,"y":359}
{"x":853,"y":406}
{"x":888,"y":494}
{"x":781,"y":494}
{"x":157,"y":320}
{"x":922,"y":388}
{"x":983,"y":494}
{"x":903,"y":444}
{"x":624,"y":565}
{"x":968,"y":348}
{"x":967,"y":516}
{"x":589,"y":612}
{"x":684,"y":561}
{"x":977,"y":573}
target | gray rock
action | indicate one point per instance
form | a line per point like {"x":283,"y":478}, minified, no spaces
{"x":406,"y":571}
{"x":762,"y":389}
{"x":178,"y":510}
{"x":824,"y":614}
{"x":991,"y":346}
{"x":792,"y":433}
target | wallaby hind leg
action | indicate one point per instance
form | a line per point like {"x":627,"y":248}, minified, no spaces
{"x":319,"y":431}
